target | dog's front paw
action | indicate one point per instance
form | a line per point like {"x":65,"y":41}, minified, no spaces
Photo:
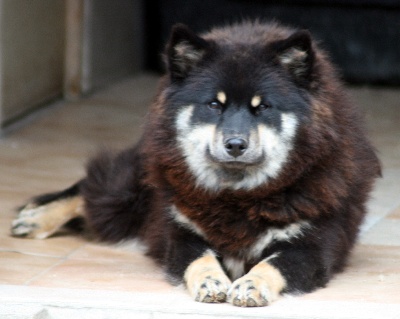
{"x":205,"y":279}
{"x":258,"y":288}
{"x":250,"y":291}
{"x":210,"y":286}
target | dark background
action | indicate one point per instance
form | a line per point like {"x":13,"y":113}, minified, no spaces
{"x":362,"y":37}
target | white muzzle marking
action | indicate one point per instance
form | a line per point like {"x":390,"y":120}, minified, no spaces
{"x":195,"y":140}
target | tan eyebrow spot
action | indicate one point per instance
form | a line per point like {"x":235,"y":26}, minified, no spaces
{"x":221,"y":97}
{"x":256,"y":101}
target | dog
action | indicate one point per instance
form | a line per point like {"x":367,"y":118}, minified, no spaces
{"x":251,"y":176}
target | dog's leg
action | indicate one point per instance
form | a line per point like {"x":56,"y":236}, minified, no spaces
{"x":46,"y":214}
{"x":205,"y":279}
{"x":259,"y":287}
{"x":291,"y":267}
{"x":190,"y":260}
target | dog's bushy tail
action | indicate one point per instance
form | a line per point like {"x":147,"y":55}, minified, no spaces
{"x":116,"y":198}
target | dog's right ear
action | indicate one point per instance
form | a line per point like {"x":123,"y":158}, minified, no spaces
{"x":184,"y":51}
{"x":296,"y":55}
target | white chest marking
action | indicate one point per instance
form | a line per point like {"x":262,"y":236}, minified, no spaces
{"x":287,"y":233}
{"x":234,"y":266}
{"x":182,"y":220}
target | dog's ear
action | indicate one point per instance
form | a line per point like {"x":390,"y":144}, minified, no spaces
{"x":184,"y":51}
{"x":296,"y":55}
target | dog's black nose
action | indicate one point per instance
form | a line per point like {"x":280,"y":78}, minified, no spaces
{"x":235,"y":146}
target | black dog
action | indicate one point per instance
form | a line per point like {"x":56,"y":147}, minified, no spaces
{"x":250,"y":178}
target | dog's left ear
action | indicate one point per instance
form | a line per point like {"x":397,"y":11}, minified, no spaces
{"x":184,"y":51}
{"x":296,"y":55}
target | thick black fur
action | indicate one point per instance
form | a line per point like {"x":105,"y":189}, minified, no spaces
{"x":325,"y":182}
{"x":115,"y":186}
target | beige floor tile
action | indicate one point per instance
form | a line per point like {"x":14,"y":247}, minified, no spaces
{"x":385,"y":232}
{"x":373,"y":258}
{"x":395,"y":214}
{"x":384,"y":198}
{"x":100,"y":251}
{"x":18,"y":269}
{"x":58,"y":246}
{"x":105,"y":275}
{"x":53,"y":247}
{"x":361,"y":287}
{"x":373,"y":275}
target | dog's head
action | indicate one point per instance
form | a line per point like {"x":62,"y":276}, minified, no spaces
{"x":238,"y":101}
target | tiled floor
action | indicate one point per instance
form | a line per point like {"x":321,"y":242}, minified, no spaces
{"x":68,"y":277}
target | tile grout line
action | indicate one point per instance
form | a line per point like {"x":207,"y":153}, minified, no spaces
{"x":5,"y":250}
{"x":364,"y":230}
{"x":43,"y":272}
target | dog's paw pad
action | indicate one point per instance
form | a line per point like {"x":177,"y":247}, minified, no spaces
{"x":211,"y":290}
{"x":250,"y":291}
{"x":30,"y":223}
{"x":21,"y":228}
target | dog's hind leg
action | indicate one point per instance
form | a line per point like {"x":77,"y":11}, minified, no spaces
{"x":46,"y":214}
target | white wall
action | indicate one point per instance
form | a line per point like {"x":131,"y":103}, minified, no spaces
{"x":31,"y":54}
{"x":55,"y":48}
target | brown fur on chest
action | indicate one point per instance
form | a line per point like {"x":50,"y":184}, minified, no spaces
{"x":228,"y":229}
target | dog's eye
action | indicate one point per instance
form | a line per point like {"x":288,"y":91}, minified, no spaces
{"x":215,"y":105}
{"x":262,"y":107}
